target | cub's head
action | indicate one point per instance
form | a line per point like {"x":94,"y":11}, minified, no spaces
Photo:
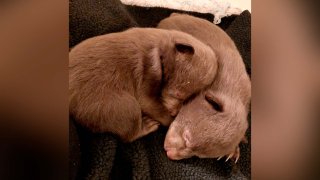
{"x":206,"y":127}
{"x":187,"y":68}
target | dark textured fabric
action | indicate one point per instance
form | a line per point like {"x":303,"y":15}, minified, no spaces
{"x":103,"y":156}
{"x":74,"y":150}
{"x":240,"y":32}
{"x":88,"y":18}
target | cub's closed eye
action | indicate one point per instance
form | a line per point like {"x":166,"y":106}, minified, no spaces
{"x":214,"y":104}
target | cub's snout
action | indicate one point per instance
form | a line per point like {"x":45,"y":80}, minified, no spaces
{"x":176,"y":143}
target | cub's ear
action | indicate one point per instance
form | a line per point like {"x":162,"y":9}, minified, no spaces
{"x":184,"y":48}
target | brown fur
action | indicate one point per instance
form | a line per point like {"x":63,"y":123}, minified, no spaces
{"x":212,"y":123}
{"x":126,"y":83}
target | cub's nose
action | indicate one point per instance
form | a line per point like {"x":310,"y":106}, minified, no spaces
{"x":173,"y":155}
{"x":173,"y":140}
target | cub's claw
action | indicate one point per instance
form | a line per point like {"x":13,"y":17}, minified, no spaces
{"x":230,"y":156}
{"x":237,"y":155}
{"x":237,"y":159}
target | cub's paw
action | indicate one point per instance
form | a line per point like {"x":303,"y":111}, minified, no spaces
{"x":149,"y":125}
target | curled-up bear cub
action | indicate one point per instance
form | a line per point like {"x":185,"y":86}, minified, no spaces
{"x":128,"y":83}
{"x":212,"y":123}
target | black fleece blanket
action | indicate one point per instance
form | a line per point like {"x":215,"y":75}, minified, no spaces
{"x":103,"y":156}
